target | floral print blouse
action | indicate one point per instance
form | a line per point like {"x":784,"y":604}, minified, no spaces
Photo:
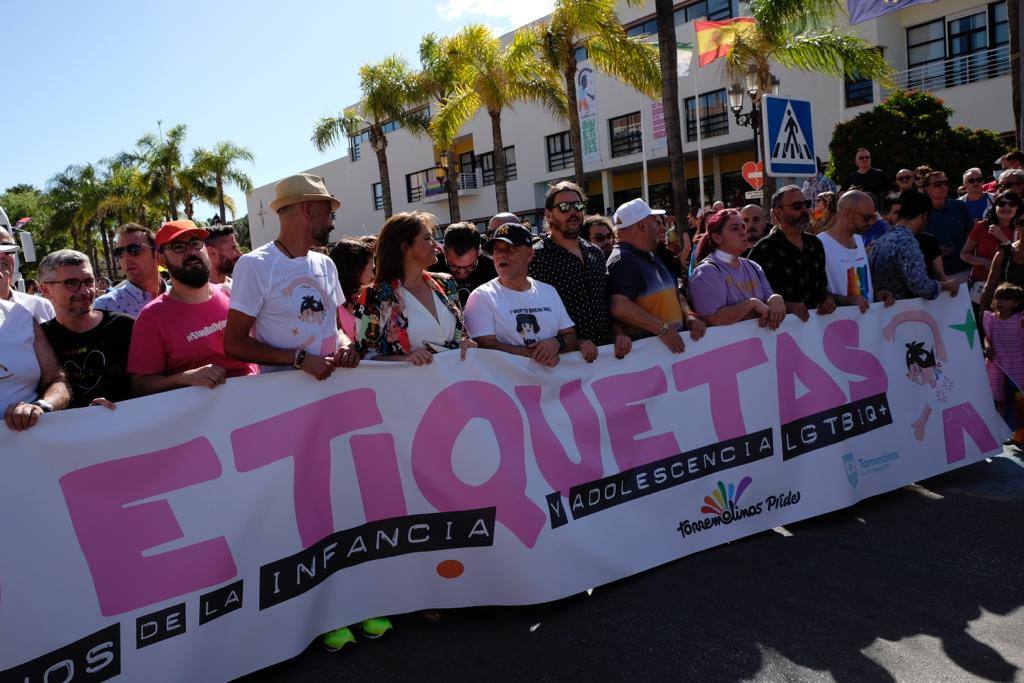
{"x":381,"y":320}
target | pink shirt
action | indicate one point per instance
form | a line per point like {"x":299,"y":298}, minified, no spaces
{"x":172,"y":336}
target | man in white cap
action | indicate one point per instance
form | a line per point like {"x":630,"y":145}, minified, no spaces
{"x":288,"y":295}
{"x":40,"y":308}
{"x":645,"y":297}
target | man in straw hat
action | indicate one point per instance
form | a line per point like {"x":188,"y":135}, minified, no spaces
{"x":288,"y":295}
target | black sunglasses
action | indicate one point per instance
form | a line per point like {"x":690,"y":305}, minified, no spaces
{"x":796,"y":206}
{"x":131,"y":249}
{"x":565,"y":206}
{"x":973,"y":181}
{"x":1001,"y":204}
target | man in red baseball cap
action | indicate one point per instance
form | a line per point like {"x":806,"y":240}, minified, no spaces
{"x":178,"y":339}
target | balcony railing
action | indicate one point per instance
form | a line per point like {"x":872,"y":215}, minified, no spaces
{"x":961,"y":70}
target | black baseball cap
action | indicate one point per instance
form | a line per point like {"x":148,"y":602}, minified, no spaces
{"x":510,"y":233}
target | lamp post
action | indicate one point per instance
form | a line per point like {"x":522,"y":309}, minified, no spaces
{"x":751,"y":118}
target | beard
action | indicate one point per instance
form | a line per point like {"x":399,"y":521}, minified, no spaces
{"x":321,"y":235}
{"x":803,"y":222}
{"x":226,"y":266}
{"x":569,"y":229}
{"x":189,"y":274}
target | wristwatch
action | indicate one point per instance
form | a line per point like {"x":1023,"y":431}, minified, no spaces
{"x":299,"y":357}
{"x":46,"y":406}
{"x":663,"y":330}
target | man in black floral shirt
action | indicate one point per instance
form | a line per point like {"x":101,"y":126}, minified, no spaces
{"x":576,"y":269}
{"x":793,"y":258}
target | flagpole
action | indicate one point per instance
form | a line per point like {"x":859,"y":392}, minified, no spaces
{"x":643,"y":153}
{"x":700,"y":152}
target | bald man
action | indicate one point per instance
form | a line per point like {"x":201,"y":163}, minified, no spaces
{"x":754,"y":220}
{"x":846,"y":259}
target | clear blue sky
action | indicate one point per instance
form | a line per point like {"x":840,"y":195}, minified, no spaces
{"x":84,"y":80}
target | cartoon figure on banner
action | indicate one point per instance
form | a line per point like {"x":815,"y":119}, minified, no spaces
{"x":528,"y":328}
{"x":924,"y":366}
{"x":586,"y":95}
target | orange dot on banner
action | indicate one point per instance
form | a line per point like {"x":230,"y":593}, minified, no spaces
{"x":450,"y":569}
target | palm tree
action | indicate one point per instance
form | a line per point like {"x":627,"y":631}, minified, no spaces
{"x":220,"y":165}
{"x":162,"y":159}
{"x":438,"y":82}
{"x":389,"y":89}
{"x":194,"y":184}
{"x":800,"y":34}
{"x":495,"y":78}
{"x":593,"y":24}
{"x":670,"y":105}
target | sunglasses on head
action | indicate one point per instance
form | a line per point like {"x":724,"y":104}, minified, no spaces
{"x":565,"y":206}
{"x":131,"y":250}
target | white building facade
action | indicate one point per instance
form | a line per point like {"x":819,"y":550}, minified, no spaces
{"x":957,"y":49}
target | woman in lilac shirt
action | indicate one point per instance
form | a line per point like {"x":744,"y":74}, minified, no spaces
{"x":725,"y":287}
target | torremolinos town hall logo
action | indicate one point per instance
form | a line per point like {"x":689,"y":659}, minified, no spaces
{"x":725,"y":505}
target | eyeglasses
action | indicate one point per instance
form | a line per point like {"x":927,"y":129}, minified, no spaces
{"x":596,"y":237}
{"x":863,"y":158}
{"x":131,"y":250}
{"x":182,"y":247}
{"x":464,"y":269}
{"x":938,"y":183}
{"x":565,"y":206}
{"x":1010,"y":183}
{"x":332,"y":215}
{"x":901,"y":178}
{"x":973,"y":181}
{"x":796,"y":206}
{"x":1004,"y":204}
{"x":73,"y":284}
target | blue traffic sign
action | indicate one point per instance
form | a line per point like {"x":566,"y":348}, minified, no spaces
{"x":788,"y":137}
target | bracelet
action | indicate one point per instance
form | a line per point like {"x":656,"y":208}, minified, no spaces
{"x":561,"y":341}
{"x":300,"y":356}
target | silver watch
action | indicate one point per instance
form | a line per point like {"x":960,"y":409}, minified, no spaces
{"x":45,"y":405}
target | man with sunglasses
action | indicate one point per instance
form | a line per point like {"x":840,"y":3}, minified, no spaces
{"x":904,"y":180}
{"x":950,"y":223}
{"x":793,"y":258}
{"x":136,"y":254}
{"x":576,"y":269}
{"x":866,"y":177}
{"x":91,"y":346}
{"x":178,"y":340}
{"x":1012,"y":180}
{"x":976,"y":200}
{"x":40,"y":308}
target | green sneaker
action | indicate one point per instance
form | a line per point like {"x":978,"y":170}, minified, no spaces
{"x":337,"y":639}
{"x":376,"y":627}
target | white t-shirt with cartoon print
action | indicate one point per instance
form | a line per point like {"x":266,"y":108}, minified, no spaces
{"x":516,"y":318}
{"x":295,"y":301}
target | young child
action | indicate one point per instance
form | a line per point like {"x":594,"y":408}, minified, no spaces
{"x":1004,"y":341}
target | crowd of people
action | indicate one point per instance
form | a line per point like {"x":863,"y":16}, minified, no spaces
{"x":590,"y":284}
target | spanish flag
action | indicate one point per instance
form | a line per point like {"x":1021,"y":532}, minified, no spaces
{"x":715,"y":38}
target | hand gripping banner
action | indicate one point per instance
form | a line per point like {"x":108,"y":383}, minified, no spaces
{"x":203,"y":534}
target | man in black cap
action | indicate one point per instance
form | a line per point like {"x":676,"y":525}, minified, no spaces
{"x":515,"y":313}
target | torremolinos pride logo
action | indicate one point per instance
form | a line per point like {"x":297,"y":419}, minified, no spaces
{"x":723,"y":506}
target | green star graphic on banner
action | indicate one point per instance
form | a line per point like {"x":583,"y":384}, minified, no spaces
{"x":969,"y":326}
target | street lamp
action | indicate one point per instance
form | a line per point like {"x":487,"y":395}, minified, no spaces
{"x":751,"y":118}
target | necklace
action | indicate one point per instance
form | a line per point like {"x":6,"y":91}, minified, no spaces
{"x":280,"y":245}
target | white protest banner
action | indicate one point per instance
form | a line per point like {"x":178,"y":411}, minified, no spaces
{"x":202,"y":534}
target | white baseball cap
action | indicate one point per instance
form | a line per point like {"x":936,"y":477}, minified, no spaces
{"x":632,"y":212}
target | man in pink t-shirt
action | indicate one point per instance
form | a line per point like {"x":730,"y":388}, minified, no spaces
{"x":178,"y":339}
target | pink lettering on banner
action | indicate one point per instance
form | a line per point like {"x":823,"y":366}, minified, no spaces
{"x":842,"y":342}
{"x":621,"y":399}
{"x":304,"y":435}
{"x":380,"y":483}
{"x":113,"y":533}
{"x":822,"y":392}
{"x":720,"y":370}
{"x":961,"y":419}
{"x":556,"y":467}
{"x":445,"y":418}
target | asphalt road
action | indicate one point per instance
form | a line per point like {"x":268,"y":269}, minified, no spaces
{"x":925,"y":583}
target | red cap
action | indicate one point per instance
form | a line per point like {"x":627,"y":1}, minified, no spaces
{"x":172,"y":230}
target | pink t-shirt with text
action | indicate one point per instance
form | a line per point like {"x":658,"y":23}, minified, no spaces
{"x":172,"y":336}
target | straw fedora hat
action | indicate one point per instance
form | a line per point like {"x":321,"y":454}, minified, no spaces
{"x":303,"y":187}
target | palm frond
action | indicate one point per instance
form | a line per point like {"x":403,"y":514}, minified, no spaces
{"x":448,"y":121}
{"x":836,"y":54}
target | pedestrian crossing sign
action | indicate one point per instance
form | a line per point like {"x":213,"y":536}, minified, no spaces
{"x":788,"y":137}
